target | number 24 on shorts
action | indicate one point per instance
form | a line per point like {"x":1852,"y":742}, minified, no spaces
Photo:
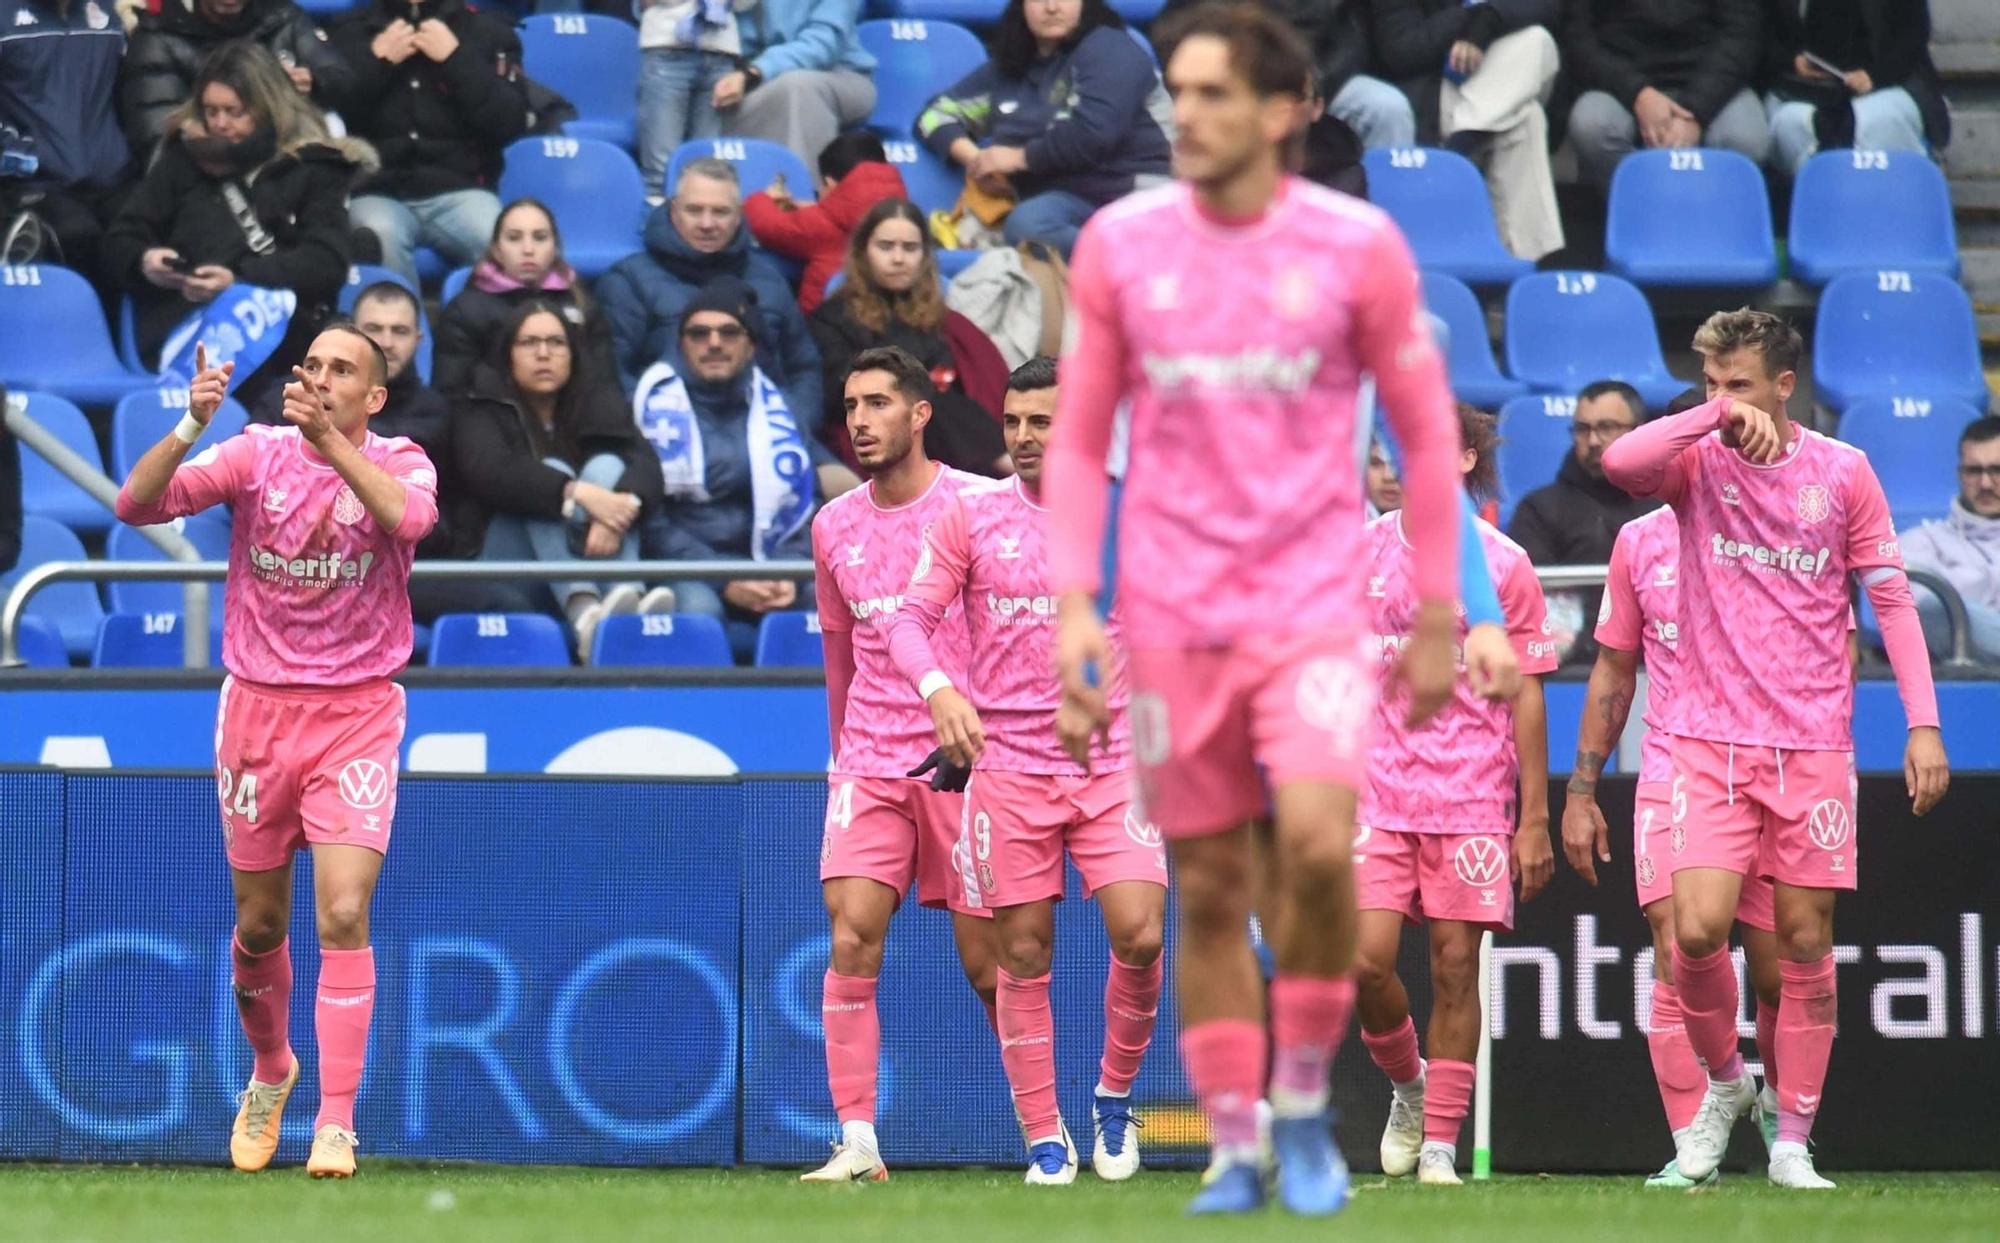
{"x":245,"y":791}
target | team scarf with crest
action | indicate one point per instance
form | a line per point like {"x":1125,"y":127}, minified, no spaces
{"x":781,"y":474}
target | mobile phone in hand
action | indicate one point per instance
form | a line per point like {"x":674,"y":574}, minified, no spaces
{"x":178,"y":263}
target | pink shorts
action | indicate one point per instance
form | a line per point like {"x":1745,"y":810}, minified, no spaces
{"x":1652,"y":816}
{"x":1210,"y":726}
{"x":1464,"y":876}
{"x":895,"y":830}
{"x":1017,"y":825}
{"x":1787,"y":815}
{"x":296,"y":766}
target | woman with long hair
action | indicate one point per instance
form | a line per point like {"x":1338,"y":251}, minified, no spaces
{"x":548,"y":449}
{"x":248,"y":188}
{"x":1068,"y":115}
{"x":523,"y":263}
{"x":890,"y":295}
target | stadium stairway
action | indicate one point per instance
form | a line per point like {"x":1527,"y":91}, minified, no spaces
{"x":1965,"y":43}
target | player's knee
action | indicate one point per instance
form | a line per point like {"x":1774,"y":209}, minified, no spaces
{"x":1455,"y":967}
{"x":1316,"y":863}
{"x":1210,"y":904}
{"x":854,"y":953}
{"x":1025,"y":952}
{"x":1373,"y":974}
{"x":1697,"y":938}
{"x":261,"y":929}
{"x":1138,"y":942}
{"x":1809,"y":942}
{"x":343,"y":922}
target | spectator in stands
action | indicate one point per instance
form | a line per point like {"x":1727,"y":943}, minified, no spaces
{"x":804,"y":78}
{"x":549,"y":452}
{"x":247,"y":188}
{"x":10,"y":493}
{"x":890,"y":295}
{"x":524,"y":262}
{"x":1965,"y":547}
{"x":1886,"y":95}
{"x":438,"y":90}
{"x":1663,"y":73}
{"x":168,"y":47}
{"x":854,"y":175}
{"x":727,"y":451}
{"x":692,"y":238}
{"x":1478,"y":76}
{"x":1068,"y":115}
{"x":1337,"y":33}
{"x":1575,"y":520}
{"x":689,"y":46}
{"x":1383,"y":485}
{"x":66,"y":159}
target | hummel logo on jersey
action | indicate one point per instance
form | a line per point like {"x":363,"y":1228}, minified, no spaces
{"x":1730,"y":496}
{"x":854,"y":556}
{"x":1010,"y":548}
{"x":274,"y":500}
{"x":1375,"y":591}
{"x":1788,"y":558}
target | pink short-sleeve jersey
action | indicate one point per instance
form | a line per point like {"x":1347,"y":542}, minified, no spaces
{"x":1765,"y":555}
{"x":1641,"y":613}
{"x":1241,"y":346}
{"x":867,"y":553}
{"x":318,"y":594}
{"x":1458,"y":773}
{"x":991,"y":552}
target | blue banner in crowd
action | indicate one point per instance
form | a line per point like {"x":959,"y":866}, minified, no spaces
{"x":243,"y":325}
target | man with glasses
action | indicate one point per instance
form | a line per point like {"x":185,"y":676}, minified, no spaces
{"x":1575,"y":520}
{"x":735,"y":461}
{"x":1965,"y":546}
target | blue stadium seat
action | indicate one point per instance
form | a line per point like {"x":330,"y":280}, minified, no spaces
{"x":1654,"y":196}
{"x":1139,"y":37}
{"x":509,"y":639}
{"x":1863,"y":211}
{"x":46,"y":490}
{"x":359,"y":277}
{"x":322,"y":10}
{"x":1441,"y":203}
{"x":208,"y":532}
{"x":952,"y":262}
{"x":1475,"y":377}
{"x":1913,"y":445}
{"x":1139,"y":12}
{"x":933,"y":184}
{"x":1568,"y":329}
{"x":72,"y":608}
{"x":592,"y":61}
{"x":145,"y":641}
{"x":141,"y":419}
{"x":1896,"y":334}
{"x":914,"y":60}
{"x":41,"y":647}
{"x":1534,"y":436}
{"x":789,"y":641}
{"x":974,"y":13}
{"x":53,"y":337}
{"x":593,"y":187}
{"x":756,"y":161}
{"x":128,"y":336}
{"x":455,"y":282}
{"x":676,"y":639}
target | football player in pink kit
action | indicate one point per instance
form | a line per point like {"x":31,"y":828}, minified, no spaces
{"x":886,"y":825}
{"x":327,"y":519}
{"x":1641,"y":614}
{"x":1238,"y":309}
{"x":1773,"y":519}
{"x":1027,"y":801}
{"x":1438,"y":839}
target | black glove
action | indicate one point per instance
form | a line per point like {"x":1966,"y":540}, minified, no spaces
{"x":1483,"y":24}
{"x":945,"y":775}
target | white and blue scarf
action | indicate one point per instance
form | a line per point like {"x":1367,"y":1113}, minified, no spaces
{"x":243,"y":324}
{"x":781,"y":472}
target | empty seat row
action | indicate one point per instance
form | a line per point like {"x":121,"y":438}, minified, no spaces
{"x":672,"y":640}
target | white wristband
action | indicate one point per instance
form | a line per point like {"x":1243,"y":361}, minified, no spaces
{"x":188,"y":430}
{"x":932,"y":683}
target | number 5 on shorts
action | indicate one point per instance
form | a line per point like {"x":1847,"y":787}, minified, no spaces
{"x":245,"y":791}
{"x":1680,"y":804}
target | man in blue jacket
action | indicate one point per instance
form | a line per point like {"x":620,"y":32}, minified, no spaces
{"x":805,"y":76}
{"x":732,"y":457}
{"x":691,"y":239}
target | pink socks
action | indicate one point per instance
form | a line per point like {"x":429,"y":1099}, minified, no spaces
{"x":1447,"y":1097}
{"x":1309,"y":1019}
{"x":1767,"y":1040}
{"x":1675,"y":1066}
{"x":1131,"y":1005}
{"x":1225,"y":1062}
{"x":1028,"y":1052}
{"x":1804,"y":1042}
{"x":346,"y":1003}
{"x":1395,"y":1051}
{"x":853,"y":1044}
{"x":1707,"y":988}
{"x":264,"y":1004}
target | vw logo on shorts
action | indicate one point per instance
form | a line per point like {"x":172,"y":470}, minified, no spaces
{"x":1141,"y":831}
{"x":1329,"y":695}
{"x":1829,"y":825}
{"x":364,"y":784}
{"x":1480,"y":862}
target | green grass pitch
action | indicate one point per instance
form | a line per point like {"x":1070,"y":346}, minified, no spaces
{"x":394,"y":1201}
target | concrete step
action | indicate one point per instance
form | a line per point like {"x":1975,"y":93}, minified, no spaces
{"x":1960,"y":64}
{"x":1964,"y":20}
{"x":1975,"y":142}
